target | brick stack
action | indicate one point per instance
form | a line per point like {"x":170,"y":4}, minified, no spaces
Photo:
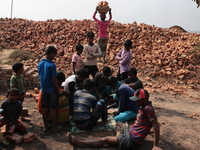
{"x":31,"y":77}
{"x":158,"y":52}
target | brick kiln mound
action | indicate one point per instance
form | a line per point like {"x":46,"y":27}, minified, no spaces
{"x":159,"y":53}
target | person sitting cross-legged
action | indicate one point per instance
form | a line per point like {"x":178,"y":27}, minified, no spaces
{"x":74,"y":83}
{"x":132,"y":80}
{"x":100,"y":79}
{"x":84,"y":101}
{"x":127,"y":109}
{"x":129,"y":138}
{"x":12,"y":108}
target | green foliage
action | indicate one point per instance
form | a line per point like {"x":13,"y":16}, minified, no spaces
{"x":19,"y":55}
{"x":198,"y":3}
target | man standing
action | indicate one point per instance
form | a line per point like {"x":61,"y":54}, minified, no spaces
{"x":49,"y":87}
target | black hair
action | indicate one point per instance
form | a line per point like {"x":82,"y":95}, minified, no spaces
{"x":90,"y":34}
{"x":133,"y":71}
{"x":11,"y":90}
{"x":88,"y":84}
{"x":61,"y":76}
{"x":111,"y":80}
{"x":50,"y":49}
{"x":79,"y":47}
{"x":17,"y":66}
{"x":106,"y":70}
{"x":83,"y":73}
{"x":128,"y":44}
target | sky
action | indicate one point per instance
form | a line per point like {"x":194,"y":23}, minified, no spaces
{"x":161,"y":13}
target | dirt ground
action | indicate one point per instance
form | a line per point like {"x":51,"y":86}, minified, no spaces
{"x":4,"y":55}
{"x":178,"y":115}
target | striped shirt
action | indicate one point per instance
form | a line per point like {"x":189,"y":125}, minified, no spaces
{"x":142,"y":125}
{"x":83,"y":102}
{"x":12,"y":110}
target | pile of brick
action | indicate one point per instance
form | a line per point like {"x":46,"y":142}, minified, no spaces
{"x":158,"y":52}
{"x":31,"y":77}
{"x":16,"y":138}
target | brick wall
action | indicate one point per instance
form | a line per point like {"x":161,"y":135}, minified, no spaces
{"x":31,"y":77}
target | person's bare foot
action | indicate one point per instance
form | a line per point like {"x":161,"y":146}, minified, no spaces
{"x":71,"y":139}
{"x":46,"y":129}
{"x":58,"y":128}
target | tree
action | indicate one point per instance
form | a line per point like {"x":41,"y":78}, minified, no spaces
{"x":198,"y":2}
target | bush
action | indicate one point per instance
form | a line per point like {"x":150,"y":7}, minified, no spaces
{"x":19,"y":55}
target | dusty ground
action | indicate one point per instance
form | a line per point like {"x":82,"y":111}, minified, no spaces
{"x":4,"y":55}
{"x":178,"y":115}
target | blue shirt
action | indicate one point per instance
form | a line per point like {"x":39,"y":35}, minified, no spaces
{"x":46,"y":71}
{"x":124,"y":92}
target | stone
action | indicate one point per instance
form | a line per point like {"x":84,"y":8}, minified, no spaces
{"x":14,"y":138}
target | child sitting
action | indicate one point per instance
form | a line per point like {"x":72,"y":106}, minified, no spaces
{"x":128,"y":137}
{"x":63,"y":109}
{"x":12,"y":110}
{"x":132,"y":80}
{"x":87,"y":109}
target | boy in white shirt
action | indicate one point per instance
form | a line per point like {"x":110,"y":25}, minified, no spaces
{"x":92,"y":51}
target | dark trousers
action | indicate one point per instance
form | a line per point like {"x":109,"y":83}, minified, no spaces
{"x":99,"y":111}
{"x":122,"y":76}
{"x":92,"y":70}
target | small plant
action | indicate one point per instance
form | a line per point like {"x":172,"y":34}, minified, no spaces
{"x":19,"y":55}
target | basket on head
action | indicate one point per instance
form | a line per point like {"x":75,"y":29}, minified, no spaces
{"x":103,"y":10}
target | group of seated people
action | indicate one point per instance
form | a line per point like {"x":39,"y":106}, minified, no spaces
{"x":132,"y":101}
{"x":86,"y":100}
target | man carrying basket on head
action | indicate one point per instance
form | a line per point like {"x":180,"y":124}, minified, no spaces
{"x":103,"y":8}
